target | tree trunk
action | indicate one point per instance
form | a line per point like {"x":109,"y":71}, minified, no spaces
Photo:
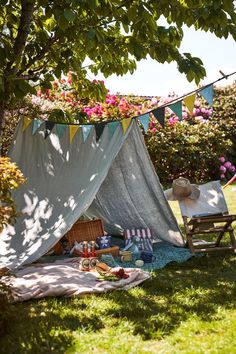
{"x":4,"y":99}
{"x":2,"y":120}
{"x":27,"y":9}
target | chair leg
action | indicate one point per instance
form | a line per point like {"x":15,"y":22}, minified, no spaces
{"x":190,"y":243}
{"x":226,"y":228}
{"x":232,"y":238}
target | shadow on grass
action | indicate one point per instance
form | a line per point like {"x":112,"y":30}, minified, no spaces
{"x":197,"y":287}
{"x":44,"y":326}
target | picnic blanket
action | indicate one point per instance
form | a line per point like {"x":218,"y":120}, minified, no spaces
{"x":164,"y":253}
{"x":64,"y":278}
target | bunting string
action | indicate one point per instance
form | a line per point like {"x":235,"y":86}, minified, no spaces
{"x":159,"y":113}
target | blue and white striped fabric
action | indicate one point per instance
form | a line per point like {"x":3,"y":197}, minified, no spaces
{"x":143,"y":238}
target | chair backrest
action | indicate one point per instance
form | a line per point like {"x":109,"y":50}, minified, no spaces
{"x":210,"y":202}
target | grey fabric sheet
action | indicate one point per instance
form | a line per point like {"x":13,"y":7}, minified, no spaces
{"x":131,"y":196}
{"x":63,"y":180}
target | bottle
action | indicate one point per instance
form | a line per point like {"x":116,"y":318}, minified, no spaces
{"x":85,"y":262}
{"x":92,"y":255}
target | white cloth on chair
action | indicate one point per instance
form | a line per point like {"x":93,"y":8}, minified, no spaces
{"x":210,"y":202}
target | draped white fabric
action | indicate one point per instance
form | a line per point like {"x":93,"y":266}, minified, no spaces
{"x":63,"y":180}
{"x":131,"y":196}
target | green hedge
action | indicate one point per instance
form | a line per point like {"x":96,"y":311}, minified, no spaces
{"x":188,"y":150}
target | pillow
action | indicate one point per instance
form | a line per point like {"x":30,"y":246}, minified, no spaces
{"x":103,"y":242}
{"x":143,"y":238}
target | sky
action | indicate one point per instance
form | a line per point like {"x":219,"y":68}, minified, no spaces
{"x":154,"y":79}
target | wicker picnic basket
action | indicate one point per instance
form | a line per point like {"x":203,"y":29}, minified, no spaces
{"x":89,"y":230}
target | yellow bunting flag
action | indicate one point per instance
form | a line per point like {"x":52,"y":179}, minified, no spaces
{"x":125,"y":124}
{"x":73,"y":129}
{"x":26,"y":123}
{"x":189,"y":102}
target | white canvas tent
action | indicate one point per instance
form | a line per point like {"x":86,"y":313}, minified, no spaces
{"x":112,"y":178}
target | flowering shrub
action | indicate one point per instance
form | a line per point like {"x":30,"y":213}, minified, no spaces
{"x":227,"y":169}
{"x":224,"y":114}
{"x":188,"y":150}
{"x":10,"y":179}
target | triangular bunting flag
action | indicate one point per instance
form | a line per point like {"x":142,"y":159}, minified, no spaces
{"x":112,"y":127}
{"x":73,"y":129}
{"x":26,"y":123}
{"x":48,"y":128}
{"x":125,"y":124}
{"x":144,"y":120}
{"x":36,"y":125}
{"x":99,"y":130}
{"x":189,"y":102}
{"x":86,"y":130}
{"x":60,"y":129}
{"x":159,"y":114}
{"x":207,"y":93}
{"x":177,"y":108}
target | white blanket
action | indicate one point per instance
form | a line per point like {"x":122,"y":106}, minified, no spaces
{"x":63,"y":278}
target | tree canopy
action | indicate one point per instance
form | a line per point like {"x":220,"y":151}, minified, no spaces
{"x":41,"y":39}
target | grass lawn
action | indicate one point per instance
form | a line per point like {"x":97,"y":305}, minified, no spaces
{"x":185,"y":308}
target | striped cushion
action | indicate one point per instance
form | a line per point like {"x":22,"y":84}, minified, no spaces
{"x":142,"y":237}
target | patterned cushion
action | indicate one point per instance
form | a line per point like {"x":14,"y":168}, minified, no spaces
{"x":143,"y":238}
{"x":104,"y":241}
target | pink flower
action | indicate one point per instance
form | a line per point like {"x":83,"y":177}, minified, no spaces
{"x":154,"y":102}
{"x":173,"y":120}
{"x":152,"y":124}
{"x":227,"y":164}
{"x":222,"y":159}
{"x":185,"y":115}
{"x":196,"y":111}
{"x":232,"y":168}
{"x":222,"y":176}
{"x":222,"y":169}
{"x":154,"y":130}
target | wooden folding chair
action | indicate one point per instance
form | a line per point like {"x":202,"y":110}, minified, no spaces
{"x":208,"y":215}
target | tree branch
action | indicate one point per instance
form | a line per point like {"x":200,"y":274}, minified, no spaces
{"x":27,"y":9}
{"x":42,"y":52}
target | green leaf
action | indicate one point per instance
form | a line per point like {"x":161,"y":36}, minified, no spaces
{"x":126,"y":27}
{"x":93,"y":3}
{"x":69,"y":15}
{"x":91,"y":34}
{"x":24,"y":87}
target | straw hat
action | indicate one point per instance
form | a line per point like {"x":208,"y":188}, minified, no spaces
{"x":181,"y":189}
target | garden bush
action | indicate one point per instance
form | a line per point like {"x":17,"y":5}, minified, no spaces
{"x":6,"y":309}
{"x":10,"y":179}
{"x":224,"y":114}
{"x":188,"y":150}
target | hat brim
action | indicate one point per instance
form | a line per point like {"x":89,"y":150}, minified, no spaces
{"x":195,"y":193}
